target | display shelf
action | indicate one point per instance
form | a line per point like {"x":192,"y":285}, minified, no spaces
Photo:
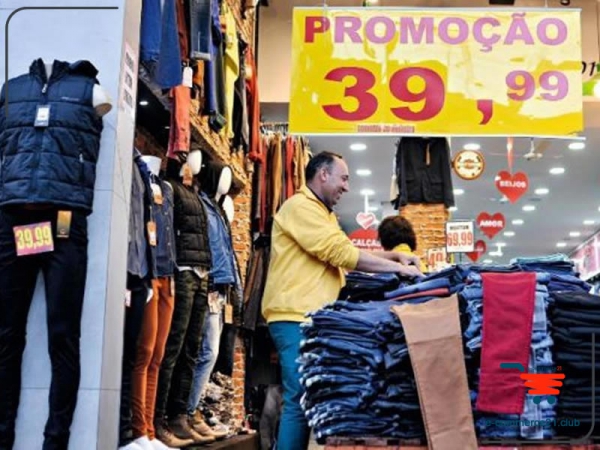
{"x":214,"y":144}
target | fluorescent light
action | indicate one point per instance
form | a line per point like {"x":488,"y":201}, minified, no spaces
{"x":589,"y":222}
{"x":488,"y":261}
{"x":574,"y":234}
{"x":472,"y":146}
{"x":363,"y":172}
{"x":144,"y":102}
{"x":459,"y":191}
{"x":367,"y":192}
{"x":576,"y":145}
{"x":358,"y":147}
{"x":529,"y":208}
{"x":453,"y":208}
{"x":501,"y":244}
{"x":373,"y":208}
{"x":542,"y":191}
{"x":561,"y":244}
{"x":509,"y":233}
{"x":557,"y":170}
{"x":518,"y":222}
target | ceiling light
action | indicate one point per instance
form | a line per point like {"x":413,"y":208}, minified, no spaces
{"x":501,"y":244}
{"x":509,"y":233}
{"x":367,"y":192}
{"x":576,"y":145}
{"x":373,"y":208}
{"x":358,"y":147}
{"x":542,"y":191}
{"x":453,"y":208}
{"x":363,"y":172}
{"x":561,"y":244}
{"x":588,"y":222}
{"x":459,"y":191}
{"x":557,"y":170}
{"x":574,"y":234}
{"x":144,"y":102}
{"x":518,"y":222}
{"x":529,"y":208}
{"x":488,"y":261}
{"x":472,"y":146}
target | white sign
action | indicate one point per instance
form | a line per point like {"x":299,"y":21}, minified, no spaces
{"x":129,"y":72}
{"x":459,"y":237}
{"x":437,"y":259}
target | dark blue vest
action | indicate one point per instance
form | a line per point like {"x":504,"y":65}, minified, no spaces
{"x":56,"y":164}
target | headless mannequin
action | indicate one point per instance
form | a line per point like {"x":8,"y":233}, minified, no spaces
{"x":229,"y":208}
{"x":194,"y":161}
{"x":102,"y":101}
{"x":225,"y":180}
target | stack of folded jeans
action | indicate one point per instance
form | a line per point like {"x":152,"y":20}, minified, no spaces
{"x":361,"y":286}
{"x":493,"y":426}
{"x":575,"y":316}
{"x":357,"y":374}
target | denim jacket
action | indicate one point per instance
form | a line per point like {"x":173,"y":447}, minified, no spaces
{"x":165,"y":230}
{"x":223,"y":265}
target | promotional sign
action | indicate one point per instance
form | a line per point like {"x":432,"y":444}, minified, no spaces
{"x":459,"y":237}
{"x":366,"y":219}
{"x":33,"y":238}
{"x":437,"y":259}
{"x":513,"y":186}
{"x":480,"y":249}
{"x":490,"y":225}
{"x":366,"y":239}
{"x":468,"y":164}
{"x":587,"y":258}
{"x":438,"y":71}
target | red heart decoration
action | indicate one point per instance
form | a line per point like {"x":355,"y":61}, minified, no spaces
{"x":480,"y":249}
{"x":490,"y":225}
{"x":365,"y":220}
{"x":513,"y":186}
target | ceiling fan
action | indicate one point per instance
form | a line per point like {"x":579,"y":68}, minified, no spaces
{"x":536,"y":151}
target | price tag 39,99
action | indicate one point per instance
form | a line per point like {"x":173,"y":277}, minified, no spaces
{"x":33,"y":238}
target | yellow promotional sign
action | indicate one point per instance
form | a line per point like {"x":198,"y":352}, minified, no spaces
{"x":436,"y":71}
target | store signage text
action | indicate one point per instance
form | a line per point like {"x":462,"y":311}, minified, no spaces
{"x":369,"y":74}
{"x":365,"y":239}
{"x":459,"y":237}
{"x":490,"y":224}
{"x":513,"y":186}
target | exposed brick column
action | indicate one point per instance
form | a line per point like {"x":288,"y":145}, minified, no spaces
{"x":429,"y":224}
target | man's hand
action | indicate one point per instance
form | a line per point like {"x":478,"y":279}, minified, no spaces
{"x":410,"y":271}
{"x":403,"y":258}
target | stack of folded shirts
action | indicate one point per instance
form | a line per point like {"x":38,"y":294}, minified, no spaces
{"x":575,"y":316}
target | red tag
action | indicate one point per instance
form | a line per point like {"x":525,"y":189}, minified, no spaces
{"x":480,"y":249}
{"x":33,"y":238}
{"x":365,"y":220}
{"x":513,"y":186}
{"x":490,"y":225}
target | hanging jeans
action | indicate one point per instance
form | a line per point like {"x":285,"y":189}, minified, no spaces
{"x":65,"y":271}
{"x":293,"y":427}
{"x":209,"y":351}
{"x":180,"y":128}
{"x":150,"y":351}
{"x":434,"y":339}
{"x":200,"y":29}
{"x":183,"y":345}
{"x":168,"y":70}
{"x":150,"y":30}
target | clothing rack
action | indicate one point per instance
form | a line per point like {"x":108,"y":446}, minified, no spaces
{"x":275,"y":127}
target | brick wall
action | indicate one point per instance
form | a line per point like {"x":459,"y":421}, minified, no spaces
{"x":429,"y":224}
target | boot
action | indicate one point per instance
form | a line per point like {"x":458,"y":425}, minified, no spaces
{"x":166,"y":436}
{"x":199,"y":425}
{"x":181,"y":428}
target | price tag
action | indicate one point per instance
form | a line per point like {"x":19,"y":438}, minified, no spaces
{"x":188,"y":77}
{"x":157,"y":193}
{"x":42,"y":116}
{"x":33,"y":238}
{"x":228,"y":314}
{"x":459,"y":237}
{"x":152,"y":233}
{"x":436,"y":259}
{"x":369,"y":76}
{"x":188,"y":176}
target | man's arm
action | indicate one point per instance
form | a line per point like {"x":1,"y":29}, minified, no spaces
{"x":369,"y":262}
{"x":399,"y":257}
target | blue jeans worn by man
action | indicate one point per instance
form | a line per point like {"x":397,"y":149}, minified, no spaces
{"x":293,"y":427}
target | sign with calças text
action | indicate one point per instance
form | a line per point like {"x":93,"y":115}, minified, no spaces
{"x":366,"y":239}
{"x":470,"y":71}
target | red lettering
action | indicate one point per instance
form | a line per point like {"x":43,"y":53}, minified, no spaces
{"x":313,"y":25}
{"x":367,"y":102}
{"x":347,"y":26}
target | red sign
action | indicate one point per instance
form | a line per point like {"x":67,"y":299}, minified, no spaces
{"x":365,"y":239}
{"x":365,"y":220}
{"x":513,"y":186}
{"x":490,"y":225}
{"x":33,"y":238}
{"x":480,"y":249}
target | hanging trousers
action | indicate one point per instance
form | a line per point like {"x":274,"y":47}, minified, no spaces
{"x":65,"y":271}
{"x":150,"y":351}
{"x":434,"y":340}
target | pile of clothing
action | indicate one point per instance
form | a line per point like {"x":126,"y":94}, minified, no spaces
{"x":217,"y":404}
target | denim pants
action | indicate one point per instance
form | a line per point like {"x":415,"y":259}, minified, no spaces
{"x":293,"y":427}
{"x":207,"y":358}
{"x":65,"y":271}
{"x":200,"y":29}
{"x":169,"y":73}
{"x":150,"y":30}
{"x":183,"y":345}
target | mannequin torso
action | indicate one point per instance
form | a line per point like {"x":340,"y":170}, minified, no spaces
{"x":102,"y":101}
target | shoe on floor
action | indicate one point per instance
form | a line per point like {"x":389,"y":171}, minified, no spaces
{"x":181,"y":428}
{"x":157,"y":445}
{"x":199,"y":425}
{"x":131,"y":446}
{"x":166,"y":436}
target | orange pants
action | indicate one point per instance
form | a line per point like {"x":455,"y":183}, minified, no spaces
{"x":150,"y":351}
{"x":180,"y":128}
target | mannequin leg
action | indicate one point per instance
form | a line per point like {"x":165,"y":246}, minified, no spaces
{"x":65,"y":271}
{"x":17,"y":283}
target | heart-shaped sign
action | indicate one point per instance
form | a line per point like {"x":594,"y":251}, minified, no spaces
{"x":490,"y":225}
{"x":480,"y":249}
{"x":365,"y":220}
{"x":513,"y":186}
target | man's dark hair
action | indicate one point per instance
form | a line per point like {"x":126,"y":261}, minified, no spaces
{"x":396,"y":230}
{"x":320,"y":160}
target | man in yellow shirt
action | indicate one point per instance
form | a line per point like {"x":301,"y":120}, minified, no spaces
{"x":309,"y":253}
{"x":396,"y":234}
